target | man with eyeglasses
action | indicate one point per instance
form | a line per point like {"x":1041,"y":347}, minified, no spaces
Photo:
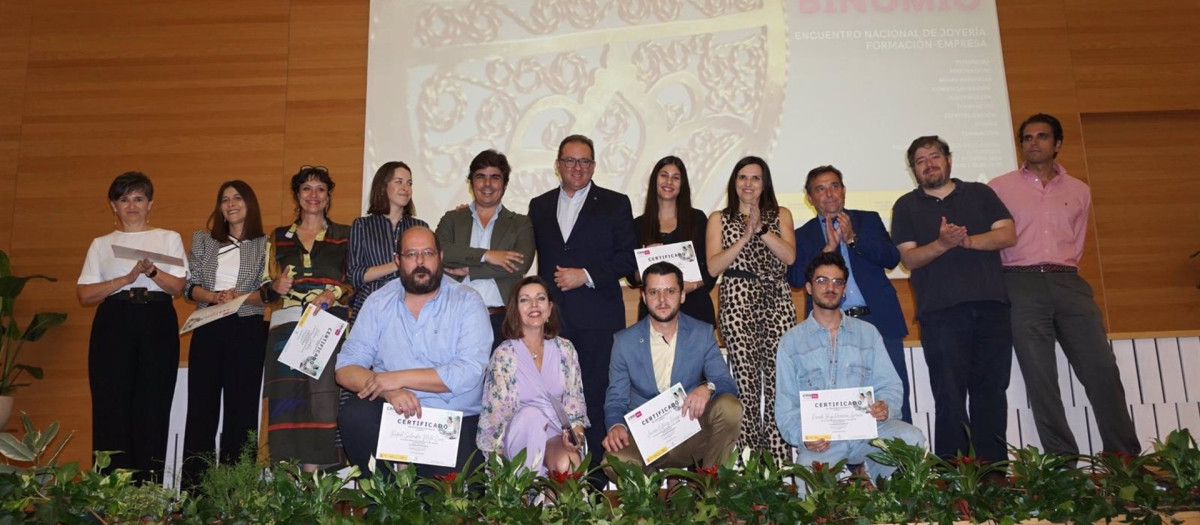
{"x":831,"y":350}
{"x":585,"y":240}
{"x":419,"y":341}
{"x":1051,"y":301}
{"x":950,"y":233}
{"x":869,"y":253}
{"x":675,"y":348}
{"x":487,"y":246}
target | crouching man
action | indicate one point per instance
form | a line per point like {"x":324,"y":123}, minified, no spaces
{"x":830,"y":350}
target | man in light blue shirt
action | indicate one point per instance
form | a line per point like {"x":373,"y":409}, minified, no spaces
{"x":831,"y":350}
{"x":419,"y":341}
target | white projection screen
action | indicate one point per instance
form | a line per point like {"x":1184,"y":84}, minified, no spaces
{"x":801,"y":83}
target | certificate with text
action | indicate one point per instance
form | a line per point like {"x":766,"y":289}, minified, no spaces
{"x":659,"y":424}
{"x":134,"y":254}
{"x":313,"y":341}
{"x":681,"y":254}
{"x":838,"y":414}
{"x":203,"y":316}
{"x":431,"y":439}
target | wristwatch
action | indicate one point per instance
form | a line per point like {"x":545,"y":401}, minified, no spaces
{"x":153,"y":273}
{"x":763,"y":231}
{"x":852,"y":242}
{"x":712,"y":388}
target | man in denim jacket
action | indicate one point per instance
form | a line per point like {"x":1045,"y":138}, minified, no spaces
{"x":830,"y":350}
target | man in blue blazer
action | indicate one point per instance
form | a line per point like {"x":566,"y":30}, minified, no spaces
{"x":585,"y":240}
{"x":868,"y":250}
{"x":665,"y":348}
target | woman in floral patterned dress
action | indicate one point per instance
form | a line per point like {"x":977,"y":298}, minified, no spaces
{"x":531,"y":371}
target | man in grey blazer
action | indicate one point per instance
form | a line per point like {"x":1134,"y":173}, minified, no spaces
{"x":665,"y":348}
{"x":485,"y":245}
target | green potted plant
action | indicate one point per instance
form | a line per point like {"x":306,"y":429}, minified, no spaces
{"x":12,"y":338}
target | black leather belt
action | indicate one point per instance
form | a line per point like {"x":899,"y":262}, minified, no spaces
{"x":493,"y":310}
{"x":1041,"y":268}
{"x":742,"y":274}
{"x":139,"y":296}
{"x":858,"y":311}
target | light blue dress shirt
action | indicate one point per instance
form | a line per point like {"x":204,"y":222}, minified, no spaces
{"x":481,"y":237}
{"x":854,"y":296}
{"x":452,"y":335}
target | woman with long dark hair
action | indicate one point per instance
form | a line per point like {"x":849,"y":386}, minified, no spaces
{"x":225,"y":360}
{"x":751,"y":243}
{"x":668,"y":217}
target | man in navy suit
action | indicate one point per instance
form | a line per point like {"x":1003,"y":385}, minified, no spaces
{"x":867,"y":248}
{"x":585,"y":240}
{"x":665,"y":348}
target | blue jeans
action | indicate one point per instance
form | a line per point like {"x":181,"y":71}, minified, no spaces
{"x":968,"y":348}
{"x":895,"y":350}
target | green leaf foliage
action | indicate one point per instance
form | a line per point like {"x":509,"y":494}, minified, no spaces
{"x":749,"y":488}
{"x":12,"y":339}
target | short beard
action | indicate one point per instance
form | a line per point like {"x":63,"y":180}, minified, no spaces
{"x":820,"y":302}
{"x":937,"y":183}
{"x":409,"y":280}
{"x":666,"y":319}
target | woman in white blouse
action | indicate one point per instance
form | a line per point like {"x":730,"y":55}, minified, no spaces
{"x":133,"y":354}
{"x":225,"y":359}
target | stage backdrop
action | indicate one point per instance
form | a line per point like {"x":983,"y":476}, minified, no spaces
{"x":800,"y":83}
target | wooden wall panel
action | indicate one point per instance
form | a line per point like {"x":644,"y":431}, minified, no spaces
{"x":327,"y":99}
{"x":190,"y":93}
{"x":1146,"y":192}
{"x":14,"y":57}
{"x":1149,"y":61}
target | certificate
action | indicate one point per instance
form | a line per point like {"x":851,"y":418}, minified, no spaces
{"x":839,"y":414}
{"x":134,"y":254}
{"x":312,"y":342}
{"x":431,"y":439}
{"x":203,"y":316}
{"x":659,"y":424}
{"x":681,"y":254}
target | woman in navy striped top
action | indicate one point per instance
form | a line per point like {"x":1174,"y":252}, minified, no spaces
{"x":372,"y":259}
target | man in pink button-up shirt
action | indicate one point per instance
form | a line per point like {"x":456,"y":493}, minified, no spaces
{"x":1049,"y":299}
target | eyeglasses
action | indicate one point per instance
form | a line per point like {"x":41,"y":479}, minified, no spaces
{"x":655,"y":293}
{"x":412,"y":254}
{"x":306,"y":167}
{"x":837,"y":282}
{"x":572,"y":162}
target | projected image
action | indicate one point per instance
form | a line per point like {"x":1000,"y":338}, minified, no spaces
{"x":801,"y":83}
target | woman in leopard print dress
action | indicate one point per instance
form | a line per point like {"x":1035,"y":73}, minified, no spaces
{"x":752,"y":242}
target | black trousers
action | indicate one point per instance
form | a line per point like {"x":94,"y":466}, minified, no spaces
{"x":497,"y":320}
{"x":133,"y":359}
{"x":968,"y":348}
{"x":358,"y":420}
{"x":225,"y":361}
{"x":595,"y":353}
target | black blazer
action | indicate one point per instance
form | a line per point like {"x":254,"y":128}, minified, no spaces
{"x":602,"y":242}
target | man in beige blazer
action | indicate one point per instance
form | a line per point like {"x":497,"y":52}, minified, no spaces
{"x":485,"y":245}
